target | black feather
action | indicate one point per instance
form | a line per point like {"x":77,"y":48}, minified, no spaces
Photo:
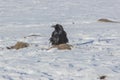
{"x":59,"y":36}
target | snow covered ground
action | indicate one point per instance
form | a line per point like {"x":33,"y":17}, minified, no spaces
{"x":96,"y":45}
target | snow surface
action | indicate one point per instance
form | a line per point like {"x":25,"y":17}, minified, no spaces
{"x":96,"y":46}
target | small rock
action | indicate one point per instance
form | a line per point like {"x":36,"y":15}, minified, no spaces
{"x":102,"y":77}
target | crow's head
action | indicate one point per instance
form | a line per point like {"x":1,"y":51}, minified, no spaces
{"x":58,"y":27}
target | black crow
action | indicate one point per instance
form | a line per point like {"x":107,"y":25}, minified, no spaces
{"x":59,"y":36}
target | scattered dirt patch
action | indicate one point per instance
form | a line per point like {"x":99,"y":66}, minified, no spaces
{"x":34,"y":35}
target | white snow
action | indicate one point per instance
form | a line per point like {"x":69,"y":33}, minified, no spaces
{"x":96,"y":46}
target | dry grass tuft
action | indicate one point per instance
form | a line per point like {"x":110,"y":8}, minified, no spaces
{"x":19,"y":45}
{"x":107,"y":20}
{"x":62,"y":47}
